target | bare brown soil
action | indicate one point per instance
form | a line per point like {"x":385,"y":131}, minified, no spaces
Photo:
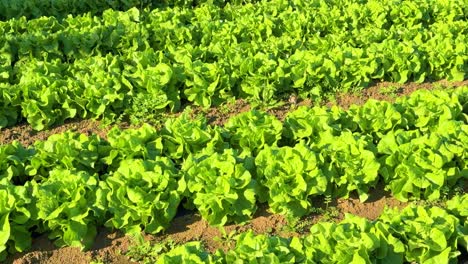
{"x":381,"y":91}
{"x":27,"y":136}
{"x":384,"y":91}
{"x":110,"y":246}
{"x":107,"y":248}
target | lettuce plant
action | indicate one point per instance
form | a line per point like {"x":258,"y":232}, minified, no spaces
{"x":203,"y":83}
{"x":419,"y":165}
{"x":354,"y":240}
{"x":183,"y":136}
{"x":15,"y":218}
{"x":221,"y":186}
{"x":13,"y":159}
{"x":429,"y":234}
{"x":349,"y":162}
{"x":103,"y":93}
{"x":69,"y":150}
{"x":46,"y":97}
{"x":289,"y":178}
{"x":10,"y":112}
{"x":310,"y":123}
{"x":253,"y":130}
{"x":458,"y":206}
{"x":143,"y":142}
{"x":142,"y":194}
{"x":377,"y":117}
{"x":69,"y":205}
{"x":427,"y":109}
{"x":151,"y":78}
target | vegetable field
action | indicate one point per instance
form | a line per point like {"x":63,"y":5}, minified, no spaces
{"x":227,"y":112}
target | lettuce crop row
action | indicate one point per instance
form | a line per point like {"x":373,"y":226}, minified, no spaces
{"x":414,"y":234}
{"x":94,"y":67}
{"x":119,"y":32}
{"x":135,"y":180}
{"x":63,"y":8}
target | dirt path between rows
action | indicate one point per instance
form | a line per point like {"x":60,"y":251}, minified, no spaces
{"x":219,"y":115}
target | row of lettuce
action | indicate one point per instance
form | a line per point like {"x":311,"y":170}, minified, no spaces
{"x":416,"y":234}
{"x":136,"y":179}
{"x":359,"y":24}
{"x":63,"y":8}
{"x":96,"y":66}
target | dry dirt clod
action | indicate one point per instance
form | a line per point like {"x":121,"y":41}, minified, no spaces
{"x":293,"y":99}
